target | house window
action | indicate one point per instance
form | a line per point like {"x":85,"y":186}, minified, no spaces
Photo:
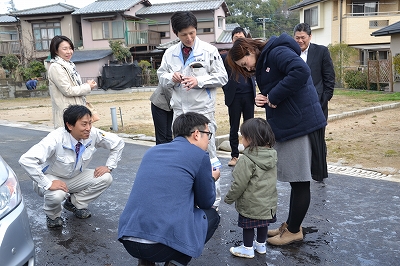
{"x":364,"y":8}
{"x":205,"y":27}
{"x":107,"y":30}
{"x":220,"y":22}
{"x":382,"y":55}
{"x":311,"y":16}
{"x":162,"y":28}
{"x":43,"y":34}
{"x":164,"y":34}
{"x":378,"y":23}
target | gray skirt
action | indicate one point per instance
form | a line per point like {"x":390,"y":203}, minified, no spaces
{"x":294,"y":159}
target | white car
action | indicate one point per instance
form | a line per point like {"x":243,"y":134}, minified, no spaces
{"x":16,"y":243}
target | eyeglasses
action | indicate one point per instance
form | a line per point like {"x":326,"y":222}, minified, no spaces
{"x":206,"y":132}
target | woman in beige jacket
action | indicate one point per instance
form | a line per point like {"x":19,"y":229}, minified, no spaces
{"x":65,"y":83}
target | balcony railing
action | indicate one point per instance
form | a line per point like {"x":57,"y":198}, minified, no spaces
{"x":148,"y":38}
{"x":10,"y":47}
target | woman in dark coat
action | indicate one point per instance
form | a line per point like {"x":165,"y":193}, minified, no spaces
{"x":295,"y":115}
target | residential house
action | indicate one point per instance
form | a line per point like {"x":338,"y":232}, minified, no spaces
{"x":393,"y":31}
{"x":9,"y":37}
{"x":144,"y":28}
{"x":37,"y":26}
{"x":351,"y":22}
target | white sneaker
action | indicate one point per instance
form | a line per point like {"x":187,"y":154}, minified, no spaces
{"x":261,"y":248}
{"x":242,"y":251}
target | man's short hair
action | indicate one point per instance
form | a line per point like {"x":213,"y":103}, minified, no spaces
{"x":186,"y":123}
{"x":238,"y":30}
{"x":181,"y":20}
{"x":302,"y":27}
{"x":73,"y":113}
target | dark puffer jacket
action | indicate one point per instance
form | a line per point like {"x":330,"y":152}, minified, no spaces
{"x":283,"y":75}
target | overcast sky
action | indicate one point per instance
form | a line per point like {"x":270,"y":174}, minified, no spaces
{"x":26,"y":4}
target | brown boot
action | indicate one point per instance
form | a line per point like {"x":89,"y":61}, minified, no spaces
{"x":285,"y":238}
{"x":277,"y":231}
{"x":146,"y":263}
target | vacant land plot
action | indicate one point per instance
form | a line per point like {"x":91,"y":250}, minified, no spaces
{"x":369,"y":141}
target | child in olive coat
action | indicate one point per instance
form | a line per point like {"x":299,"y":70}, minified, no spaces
{"x":254,"y":187}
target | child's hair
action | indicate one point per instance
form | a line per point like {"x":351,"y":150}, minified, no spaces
{"x":257,"y":132}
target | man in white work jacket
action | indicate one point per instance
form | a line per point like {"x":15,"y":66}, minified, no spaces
{"x":57,"y":165}
{"x":193,"y":70}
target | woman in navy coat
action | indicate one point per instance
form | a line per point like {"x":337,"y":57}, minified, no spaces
{"x":295,"y":115}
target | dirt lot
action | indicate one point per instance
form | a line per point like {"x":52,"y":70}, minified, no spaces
{"x":369,"y":141}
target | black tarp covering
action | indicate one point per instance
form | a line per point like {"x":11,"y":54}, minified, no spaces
{"x":119,"y":77}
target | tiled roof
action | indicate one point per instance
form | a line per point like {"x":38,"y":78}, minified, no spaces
{"x":231,"y":26}
{"x":81,"y":56}
{"x":183,"y":6}
{"x":50,"y":9}
{"x":225,"y":37}
{"x":165,"y":46}
{"x":105,"y":6}
{"x":389,"y":30}
{"x":304,"y":3}
{"x":7,"y":19}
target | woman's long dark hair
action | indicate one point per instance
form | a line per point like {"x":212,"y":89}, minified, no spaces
{"x":242,"y":47}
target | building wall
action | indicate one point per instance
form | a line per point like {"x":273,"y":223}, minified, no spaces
{"x":218,"y":31}
{"x":88,"y":42}
{"x":322,"y":35}
{"x":395,"y":49}
{"x":92,"y":69}
{"x":356,"y":30}
{"x":201,"y":15}
{"x":68,"y":26}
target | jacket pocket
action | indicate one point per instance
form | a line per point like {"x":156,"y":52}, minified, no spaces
{"x":286,"y":115}
{"x":62,"y":166}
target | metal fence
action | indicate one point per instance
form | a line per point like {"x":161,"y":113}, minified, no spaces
{"x":150,"y":79}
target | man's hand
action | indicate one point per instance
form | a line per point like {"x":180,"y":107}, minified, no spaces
{"x":189,"y":83}
{"x":216,"y":173}
{"x":177,"y":77}
{"x":101,"y":170}
{"x":58,"y":185}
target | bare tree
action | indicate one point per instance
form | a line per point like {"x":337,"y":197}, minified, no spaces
{"x":11,"y":8}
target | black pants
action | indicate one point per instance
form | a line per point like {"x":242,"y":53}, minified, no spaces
{"x":242,"y":104}
{"x":162,"y":124}
{"x":162,"y":253}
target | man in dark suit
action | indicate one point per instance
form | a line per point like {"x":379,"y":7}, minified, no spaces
{"x":319,"y":60}
{"x":239,"y":97}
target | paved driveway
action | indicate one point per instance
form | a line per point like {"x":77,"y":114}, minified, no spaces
{"x":351,"y":220}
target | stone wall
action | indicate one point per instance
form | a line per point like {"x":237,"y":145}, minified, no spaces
{"x":12,"y":89}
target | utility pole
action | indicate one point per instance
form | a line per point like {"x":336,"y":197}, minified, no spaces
{"x":263,"y":22}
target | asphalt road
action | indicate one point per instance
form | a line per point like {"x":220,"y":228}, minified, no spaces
{"x":351,"y":220}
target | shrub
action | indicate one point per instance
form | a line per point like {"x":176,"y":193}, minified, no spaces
{"x":355,"y":79}
{"x":10,"y":63}
{"x":36,"y":69}
{"x":119,"y":50}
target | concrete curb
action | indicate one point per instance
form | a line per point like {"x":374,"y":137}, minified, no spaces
{"x":363,"y":111}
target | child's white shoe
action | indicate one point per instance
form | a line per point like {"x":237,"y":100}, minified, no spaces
{"x":261,"y":248}
{"x":242,"y":251}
